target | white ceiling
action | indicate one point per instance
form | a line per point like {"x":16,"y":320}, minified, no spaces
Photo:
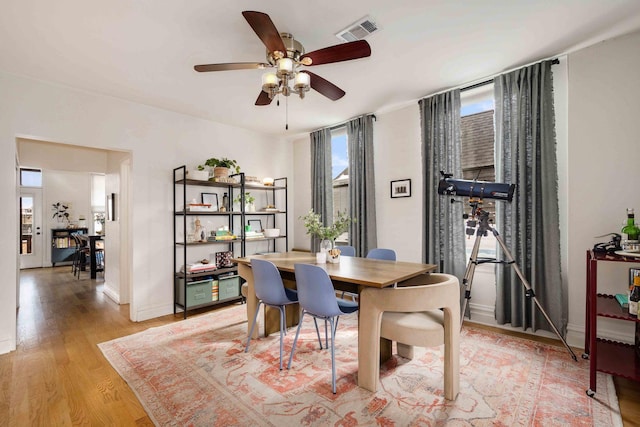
{"x":145,"y":50}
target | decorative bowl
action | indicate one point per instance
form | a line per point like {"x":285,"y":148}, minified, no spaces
{"x":271,"y":232}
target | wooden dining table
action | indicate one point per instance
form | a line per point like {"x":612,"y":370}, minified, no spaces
{"x":351,"y":274}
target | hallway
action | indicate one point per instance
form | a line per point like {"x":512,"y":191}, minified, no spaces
{"x":57,"y":375}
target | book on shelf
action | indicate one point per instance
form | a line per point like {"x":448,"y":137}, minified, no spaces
{"x":198,"y":268}
{"x":623,"y":300}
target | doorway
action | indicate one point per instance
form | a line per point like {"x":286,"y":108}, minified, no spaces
{"x":67,"y":177}
{"x":31,"y":238}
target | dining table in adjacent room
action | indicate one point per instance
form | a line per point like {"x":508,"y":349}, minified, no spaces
{"x":351,"y":274}
{"x":93,"y":240}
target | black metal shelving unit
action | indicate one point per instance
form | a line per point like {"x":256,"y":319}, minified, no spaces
{"x":181,"y":248}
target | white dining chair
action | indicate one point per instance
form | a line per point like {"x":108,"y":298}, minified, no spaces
{"x":425,"y":315}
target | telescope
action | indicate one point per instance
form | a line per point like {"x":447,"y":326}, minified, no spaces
{"x":474,"y":188}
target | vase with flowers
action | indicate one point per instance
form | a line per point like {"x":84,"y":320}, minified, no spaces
{"x":249,"y":200}
{"x":327,"y":233}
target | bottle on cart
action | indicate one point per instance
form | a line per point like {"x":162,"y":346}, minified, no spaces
{"x":631,"y":230}
{"x":634,"y":297}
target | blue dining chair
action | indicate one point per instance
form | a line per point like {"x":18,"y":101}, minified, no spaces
{"x":347,"y":250}
{"x":271,"y":292}
{"x":383,"y":254}
{"x":317,"y":298}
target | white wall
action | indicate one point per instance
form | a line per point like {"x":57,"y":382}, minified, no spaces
{"x":398,"y":156}
{"x":158,"y":141}
{"x":116,"y":282}
{"x":604,"y":163}
{"x":302,"y":182}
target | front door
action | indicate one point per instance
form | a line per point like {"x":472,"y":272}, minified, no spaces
{"x":31,"y":233}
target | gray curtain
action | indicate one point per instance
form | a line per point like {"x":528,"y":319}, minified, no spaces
{"x":526,"y":156}
{"x":362,"y":202}
{"x":321,"y":180}
{"x":443,"y":225}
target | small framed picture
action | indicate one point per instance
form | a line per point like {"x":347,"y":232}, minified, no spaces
{"x":255,"y":225}
{"x":401,"y":188}
{"x":210,"y":199}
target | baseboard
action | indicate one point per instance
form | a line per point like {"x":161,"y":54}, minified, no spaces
{"x":575,"y":335}
{"x":151,"y":312}
{"x":112,"y":294}
{"x":6,"y":345}
{"x":484,"y":314}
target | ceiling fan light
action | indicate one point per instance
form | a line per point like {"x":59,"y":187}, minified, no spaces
{"x":285,"y":66}
{"x":302,"y":81}
{"x":269,"y":81}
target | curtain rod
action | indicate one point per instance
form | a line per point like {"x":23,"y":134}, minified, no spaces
{"x":339,"y":125}
{"x":486,"y":82}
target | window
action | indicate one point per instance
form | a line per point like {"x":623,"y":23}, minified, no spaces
{"x":340,"y":174}
{"x":30,"y":177}
{"x":478,"y":142}
{"x":98,"y":201}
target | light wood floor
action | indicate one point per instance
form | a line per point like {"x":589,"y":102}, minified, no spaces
{"x":58,"y":376}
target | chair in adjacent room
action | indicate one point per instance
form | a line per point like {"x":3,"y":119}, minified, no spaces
{"x":271,"y":292}
{"x":317,"y":298}
{"x":382,"y":253}
{"x":347,"y":250}
{"x":80,"y":256}
{"x":425,"y":315}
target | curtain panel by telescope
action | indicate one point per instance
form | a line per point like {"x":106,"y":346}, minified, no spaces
{"x":526,"y":156}
{"x":362,"y":201}
{"x":443,"y":227}
{"x":321,"y":183}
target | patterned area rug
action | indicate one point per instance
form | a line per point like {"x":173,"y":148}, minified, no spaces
{"x":195,"y":372}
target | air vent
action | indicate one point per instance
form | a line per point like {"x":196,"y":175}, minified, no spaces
{"x":358,"y":30}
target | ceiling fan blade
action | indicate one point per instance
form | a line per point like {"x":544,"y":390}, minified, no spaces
{"x":265,"y":30}
{"x":339,"y":52}
{"x":325,"y":87}
{"x":231,"y":66}
{"x":263,"y":98}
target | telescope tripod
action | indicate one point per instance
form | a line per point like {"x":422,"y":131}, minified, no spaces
{"x":483,"y":227}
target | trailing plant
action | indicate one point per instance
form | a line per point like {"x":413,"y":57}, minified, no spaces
{"x":315,"y":227}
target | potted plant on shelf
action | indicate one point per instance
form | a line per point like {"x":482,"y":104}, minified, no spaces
{"x":221,"y":167}
{"x":249,"y":200}
{"x":328,"y":234}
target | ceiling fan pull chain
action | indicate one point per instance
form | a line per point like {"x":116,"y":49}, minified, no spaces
{"x":286,"y":113}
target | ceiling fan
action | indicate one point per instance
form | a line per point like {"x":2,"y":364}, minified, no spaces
{"x":287,"y":55}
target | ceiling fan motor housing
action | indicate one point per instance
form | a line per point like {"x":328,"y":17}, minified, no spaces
{"x":294,"y":49}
